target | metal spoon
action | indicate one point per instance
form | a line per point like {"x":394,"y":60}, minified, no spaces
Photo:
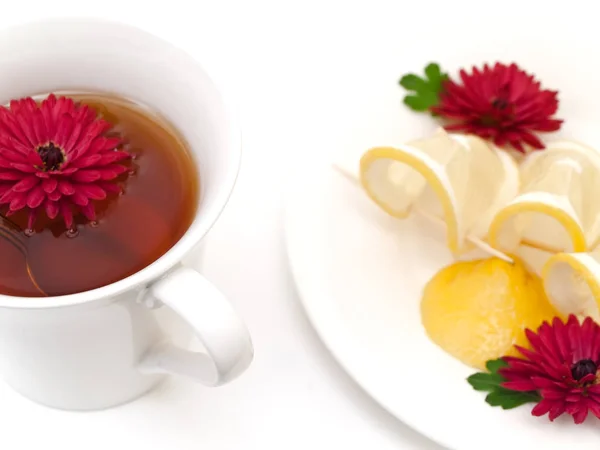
{"x":11,"y":233}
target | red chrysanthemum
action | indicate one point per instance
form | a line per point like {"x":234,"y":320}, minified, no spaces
{"x":503,"y":104}
{"x":562,"y":366}
{"x":56,"y":157}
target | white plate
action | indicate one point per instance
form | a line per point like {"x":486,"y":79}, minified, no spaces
{"x":360,"y":274}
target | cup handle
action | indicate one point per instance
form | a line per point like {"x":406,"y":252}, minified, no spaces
{"x":215,"y":323}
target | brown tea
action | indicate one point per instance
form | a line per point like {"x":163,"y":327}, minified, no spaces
{"x":131,"y":230}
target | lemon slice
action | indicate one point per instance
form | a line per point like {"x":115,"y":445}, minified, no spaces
{"x":537,"y":162}
{"x":493,"y":181}
{"x":585,"y":204}
{"x":572,"y":283}
{"x":459,"y":179}
{"x":548,"y":214}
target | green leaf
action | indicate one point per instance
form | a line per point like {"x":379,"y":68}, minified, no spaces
{"x":423,"y":93}
{"x":497,"y":395}
{"x":421,"y":102}
{"x":485,"y":381}
{"x":412,"y":82}
{"x":416,"y":103}
{"x":508,"y":399}
{"x":493,"y":365}
{"x":433,"y":72}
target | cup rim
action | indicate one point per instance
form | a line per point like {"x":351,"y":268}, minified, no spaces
{"x":192,"y":236}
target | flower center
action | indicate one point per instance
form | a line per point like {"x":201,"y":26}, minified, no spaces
{"x":500,"y":104}
{"x":583,"y":368}
{"x":52,"y":156}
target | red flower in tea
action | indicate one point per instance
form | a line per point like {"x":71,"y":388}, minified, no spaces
{"x":501,"y":103}
{"x":56,"y":157}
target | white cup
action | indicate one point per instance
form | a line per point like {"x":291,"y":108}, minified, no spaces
{"x":107,"y":346}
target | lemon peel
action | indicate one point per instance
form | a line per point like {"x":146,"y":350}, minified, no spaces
{"x":461,"y":180}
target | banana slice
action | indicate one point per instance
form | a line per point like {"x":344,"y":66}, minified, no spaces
{"x":572,"y":283}
{"x":459,"y":179}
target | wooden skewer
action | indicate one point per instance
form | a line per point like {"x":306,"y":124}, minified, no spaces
{"x":479,"y":243}
{"x":539,"y":246}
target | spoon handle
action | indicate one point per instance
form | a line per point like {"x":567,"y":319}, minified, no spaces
{"x":11,"y":233}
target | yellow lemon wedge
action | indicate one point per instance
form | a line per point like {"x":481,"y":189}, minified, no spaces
{"x":459,"y":179}
{"x":539,"y":161}
{"x":572,"y":283}
{"x":550,"y":213}
{"x":588,"y":159}
{"x":556,"y":210}
{"x":478,"y":310}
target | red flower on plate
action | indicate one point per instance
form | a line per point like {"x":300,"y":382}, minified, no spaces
{"x":56,"y":157}
{"x":562,"y":366}
{"x":503,"y":103}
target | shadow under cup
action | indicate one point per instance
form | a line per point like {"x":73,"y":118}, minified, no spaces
{"x":74,"y":55}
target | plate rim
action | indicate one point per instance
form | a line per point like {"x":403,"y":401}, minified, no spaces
{"x":291,"y":201}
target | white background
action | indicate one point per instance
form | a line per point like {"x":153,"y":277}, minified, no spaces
{"x":304,"y":74}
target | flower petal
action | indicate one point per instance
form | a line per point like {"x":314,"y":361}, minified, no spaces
{"x":19,"y":201}
{"x":545,"y":383}
{"x":548,"y":339}
{"x":34,"y":158}
{"x":26,"y":168}
{"x":581,"y":414}
{"x":520,"y":385}
{"x":35,"y":197}
{"x":39,"y":127}
{"x":66,"y":187}
{"x":91,"y":191}
{"x":10,"y":126}
{"x":574,"y":333}
{"x":26,"y":126}
{"x":103,"y":144}
{"x":51,"y":209}
{"x":31,"y":218}
{"x":543,"y":407}
{"x":49,"y":185}
{"x":26,"y":184}
{"x":532,"y":356}
{"x":90,"y":135}
{"x":55,"y":195}
{"x":87,"y":161}
{"x":111,"y":172}
{"x":86,"y":176}
{"x":552,"y":394}
{"x":10,"y":175}
{"x":520,"y":366}
{"x":8,"y":196}
{"x":46,"y":108}
{"x":502,"y":97}
{"x":562,"y":340}
{"x":112,"y":157}
{"x":79,"y":199}
{"x":588,"y":329}
{"x":88,"y":211}
{"x":73,"y":137}
{"x":594,"y":406}
{"x":110,"y":188}
{"x":67,"y":213}
{"x":64,"y":126}
{"x":557,"y":409}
